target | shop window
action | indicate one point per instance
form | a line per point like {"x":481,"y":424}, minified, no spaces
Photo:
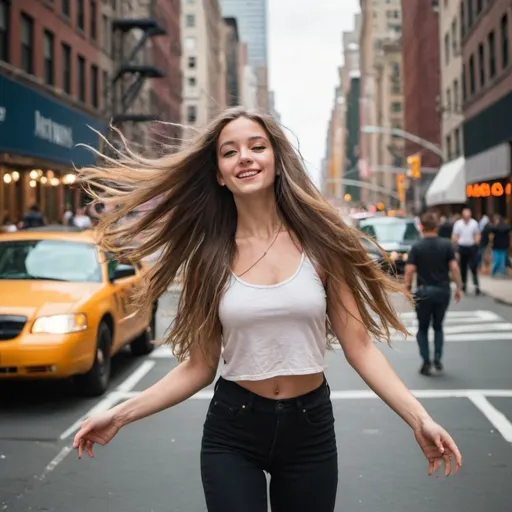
{"x":481,"y":64}
{"x":81,"y":78}
{"x":49,"y":58}
{"x":491,"y":43}
{"x":4,"y":30}
{"x":504,"y":41}
{"x":27,"y":43}
{"x":95,"y":93}
{"x":93,"y":13}
{"x":66,"y":67}
{"x":80,"y":14}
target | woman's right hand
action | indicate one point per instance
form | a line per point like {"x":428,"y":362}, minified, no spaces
{"x":99,"y":429}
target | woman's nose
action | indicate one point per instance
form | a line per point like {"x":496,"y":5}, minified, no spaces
{"x":245,"y":156}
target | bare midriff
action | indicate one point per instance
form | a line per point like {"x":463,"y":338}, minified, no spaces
{"x":280,"y":388}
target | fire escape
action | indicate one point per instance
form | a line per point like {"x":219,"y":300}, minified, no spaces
{"x":131,"y":35}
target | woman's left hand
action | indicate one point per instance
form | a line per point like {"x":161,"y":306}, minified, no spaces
{"x":437,"y":445}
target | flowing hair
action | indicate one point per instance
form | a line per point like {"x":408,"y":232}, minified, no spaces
{"x":193,"y":222}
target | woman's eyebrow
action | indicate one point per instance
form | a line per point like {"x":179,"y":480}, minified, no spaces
{"x":250,"y":139}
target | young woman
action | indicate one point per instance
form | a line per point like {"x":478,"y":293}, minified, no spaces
{"x":269,"y":271}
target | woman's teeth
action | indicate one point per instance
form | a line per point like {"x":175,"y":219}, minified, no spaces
{"x":247,"y":174}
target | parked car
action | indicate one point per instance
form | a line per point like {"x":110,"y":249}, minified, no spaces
{"x":395,"y":235}
{"x":66,"y":308}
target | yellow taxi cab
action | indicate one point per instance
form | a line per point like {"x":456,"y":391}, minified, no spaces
{"x":66,"y":309}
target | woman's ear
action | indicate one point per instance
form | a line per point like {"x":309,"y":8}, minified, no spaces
{"x":220,"y":181}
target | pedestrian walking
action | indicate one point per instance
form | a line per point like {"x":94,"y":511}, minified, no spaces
{"x":501,"y":233}
{"x":432,"y":260}
{"x":269,"y":270}
{"x":466,"y":234}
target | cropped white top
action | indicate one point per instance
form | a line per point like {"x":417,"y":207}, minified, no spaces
{"x":274,"y":330}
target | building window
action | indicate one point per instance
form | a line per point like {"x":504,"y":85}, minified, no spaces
{"x":472,"y":81}
{"x":64,"y":7}
{"x":396,"y":106}
{"x":192,"y":62}
{"x":192,"y":81}
{"x":456,"y":139}
{"x":481,"y":64}
{"x":27,"y":44}
{"x":464,"y":82}
{"x":448,"y":100}
{"x":470,"y":13}
{"x":105,"y":85}
{"x":456,"y":96}
{"x":81,"y":78}
{"x":191,"y":114}
{"x":191,"y":20}
{"x":93,"y":15}
{"x":479,"y":6}
{"x":95,"y":93}
{"x":49,"y":58}
{"x":80,"y":14}
{"x":454,"y":37}
{"x":448,"y":147}
{"x":190,"y":43}
{"x":492,"y":54}
{"x":105,"y":32}
{"x":66,"y":67}
{"x":447,"y":48}
{"x":462,"y":21}
{"x":4,"y":30}
{"x":504,"y":41}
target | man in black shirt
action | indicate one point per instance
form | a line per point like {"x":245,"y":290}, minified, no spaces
{"x":501,"y":233}
{"x":433,"y":259}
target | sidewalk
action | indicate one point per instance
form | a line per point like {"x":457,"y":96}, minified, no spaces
{"x":499,"y":288}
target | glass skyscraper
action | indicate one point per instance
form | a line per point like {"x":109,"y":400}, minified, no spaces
{"x":251,"y":16}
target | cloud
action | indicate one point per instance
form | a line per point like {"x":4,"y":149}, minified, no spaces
{"x":305,"y":52}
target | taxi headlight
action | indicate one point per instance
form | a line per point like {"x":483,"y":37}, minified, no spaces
{"x":60,"y":324}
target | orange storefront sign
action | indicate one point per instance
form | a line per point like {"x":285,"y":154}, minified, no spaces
{"x":495,"y":189}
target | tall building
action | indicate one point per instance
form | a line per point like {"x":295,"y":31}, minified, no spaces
{"x":450,"y":108}
{"x":381,"y":98}
{"x":51,"y":88}
{"x":421,"y":75}
{"x":487,"y":65}
{"x":203,"y":61}
{"x":233,"y":62}
{"x":251,"y":16}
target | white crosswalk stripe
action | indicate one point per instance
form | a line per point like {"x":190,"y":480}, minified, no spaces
{"x":459,"y":327}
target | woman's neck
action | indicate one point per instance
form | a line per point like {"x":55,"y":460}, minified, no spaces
{"x":258,"y":217}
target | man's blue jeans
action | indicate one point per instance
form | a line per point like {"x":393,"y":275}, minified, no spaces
{"x":431,"y":305}
{"x":499,"y":261}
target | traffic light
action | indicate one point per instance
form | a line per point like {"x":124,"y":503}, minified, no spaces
{"x":414,"y":163}
{"x":400,"y":187}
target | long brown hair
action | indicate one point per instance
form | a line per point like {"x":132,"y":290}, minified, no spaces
{"x":193,"y":227}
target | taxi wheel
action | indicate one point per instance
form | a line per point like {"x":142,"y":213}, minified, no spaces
{"x":143,"y":344}
{"x":95,"y":381}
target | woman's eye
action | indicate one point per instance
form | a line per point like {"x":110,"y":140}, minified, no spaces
{"x":258,"y":148}
{"x":229,"y":153}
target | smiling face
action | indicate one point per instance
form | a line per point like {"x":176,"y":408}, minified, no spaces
{"x":245,"y":158}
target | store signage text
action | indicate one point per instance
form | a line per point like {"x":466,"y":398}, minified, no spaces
{"x":495,"y":189}
{"x":47,"y":129}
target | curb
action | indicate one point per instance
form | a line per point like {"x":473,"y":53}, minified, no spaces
{"x":499,"y":300}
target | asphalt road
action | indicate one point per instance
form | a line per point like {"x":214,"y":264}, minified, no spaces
{"x":153,"y":466}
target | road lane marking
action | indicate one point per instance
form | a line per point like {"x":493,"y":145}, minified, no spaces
{"x":495,"y":417}
{"x":132,"y":380}
{"x":66,"y":450}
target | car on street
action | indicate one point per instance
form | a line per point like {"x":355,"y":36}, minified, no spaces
{"x":66,"y":308}
{"x":395,"y":235}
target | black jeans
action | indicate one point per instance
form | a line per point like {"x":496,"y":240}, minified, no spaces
{"x":468,"y":258}
{"x":431,"y":305}
{"x":293,"y":440}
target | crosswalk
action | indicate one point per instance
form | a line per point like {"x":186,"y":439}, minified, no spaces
{"x":459,"y":327}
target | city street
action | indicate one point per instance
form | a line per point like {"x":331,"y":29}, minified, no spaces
{"x":153,"y":466}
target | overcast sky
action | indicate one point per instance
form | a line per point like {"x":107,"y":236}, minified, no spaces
{"x":305,"y":53}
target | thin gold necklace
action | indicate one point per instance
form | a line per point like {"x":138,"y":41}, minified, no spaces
{"x":264,"y":254}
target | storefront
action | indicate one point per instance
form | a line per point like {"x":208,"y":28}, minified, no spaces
{"x":38,"y":151}
{"x":447,"y":192}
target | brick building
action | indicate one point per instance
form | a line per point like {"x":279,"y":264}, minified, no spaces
{"x":487,"y":78}
{"x":50,"y":90}
{"x":421,"y":80}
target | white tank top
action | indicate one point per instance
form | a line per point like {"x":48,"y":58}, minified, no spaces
{"x":274,"y":330}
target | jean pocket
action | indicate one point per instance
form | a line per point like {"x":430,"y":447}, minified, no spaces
{"x":222,"y":409}
{"x":319,"y":414}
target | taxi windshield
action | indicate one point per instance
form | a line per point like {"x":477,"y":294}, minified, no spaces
{"x":390,"y":230}
{"x":49,"y":260}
